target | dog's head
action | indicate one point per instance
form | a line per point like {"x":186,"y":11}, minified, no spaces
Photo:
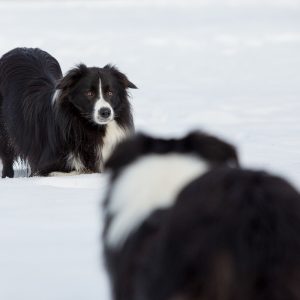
{"x":98,"y":94}
{"x":207,"y":148}
{"x":148,"y":173}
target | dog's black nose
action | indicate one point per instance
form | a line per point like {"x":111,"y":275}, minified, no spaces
{"x":105,"y":112}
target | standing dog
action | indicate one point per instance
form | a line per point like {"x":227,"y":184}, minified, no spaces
{"x":56,"y":123}
{"x":182,"y":224}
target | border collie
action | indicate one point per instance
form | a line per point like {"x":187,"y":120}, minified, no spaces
{"x":183,"y":223}
{"x":60,"y":124}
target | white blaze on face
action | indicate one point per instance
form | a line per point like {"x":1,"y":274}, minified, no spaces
{"x":99,"y":104}
{"x":152,"y":182}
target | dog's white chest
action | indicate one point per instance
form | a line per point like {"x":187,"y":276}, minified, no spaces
{"x":74,"y":163}
{"x":114,"y":134}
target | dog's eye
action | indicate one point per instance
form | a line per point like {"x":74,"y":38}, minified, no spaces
{"x":90,"y":94}
{"x":109,"y":93}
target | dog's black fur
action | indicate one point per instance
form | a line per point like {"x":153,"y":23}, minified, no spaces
{"x":125,"y":264}
{"x":231,"y":234}
{"x":207,"y":147}
{"x":43,"y":130}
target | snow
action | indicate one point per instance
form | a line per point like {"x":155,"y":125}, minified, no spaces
{"x":230,"y":67}
{"x":49,"y":239}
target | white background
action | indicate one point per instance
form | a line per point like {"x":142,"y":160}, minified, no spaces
{"x":229,"y":67}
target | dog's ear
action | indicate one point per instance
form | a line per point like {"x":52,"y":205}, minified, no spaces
{"x":121,"y":77}
{"x":70,"y":79}
{"x":212,"y":149}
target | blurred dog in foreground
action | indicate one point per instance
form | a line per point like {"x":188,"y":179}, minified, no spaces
{"x":183,"y":222}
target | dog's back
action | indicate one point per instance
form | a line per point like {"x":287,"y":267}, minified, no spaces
{"x":32,"y":63}
{"x":232,"y":234}
{"x":228,"y":234}
{"x":28,"y":78}
{"x":24,"y":71}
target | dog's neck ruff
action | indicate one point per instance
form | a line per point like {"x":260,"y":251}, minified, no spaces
{"x":150,"y":183}
{"x":114,"y":134}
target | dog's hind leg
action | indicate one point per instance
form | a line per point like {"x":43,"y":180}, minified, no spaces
{"x":7,"y":161}
{"x":8,"y":170}
{"x":7,"y":154}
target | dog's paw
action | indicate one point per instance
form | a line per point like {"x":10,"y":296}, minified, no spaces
{"x":56,"y":174}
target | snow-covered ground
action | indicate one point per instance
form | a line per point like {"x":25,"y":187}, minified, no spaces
{"x":231,"y":67}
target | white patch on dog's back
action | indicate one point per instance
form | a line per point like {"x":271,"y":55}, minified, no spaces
{"x":114,"y":134}
{"x":150,"y":183}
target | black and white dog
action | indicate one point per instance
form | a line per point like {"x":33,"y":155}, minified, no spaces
{"x":56,"y":123}
{"x":147,"y":175}
{"x":183,"y":223}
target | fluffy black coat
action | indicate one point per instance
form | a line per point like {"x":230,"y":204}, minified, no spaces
{"x":128,"y":265}
{"x":231,"y":234}
{"x":204,"y":146}
{"x":47,"y":119}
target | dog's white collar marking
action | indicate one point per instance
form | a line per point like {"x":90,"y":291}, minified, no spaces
{"x":114,"y":134}
{"x":150,"y":183}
